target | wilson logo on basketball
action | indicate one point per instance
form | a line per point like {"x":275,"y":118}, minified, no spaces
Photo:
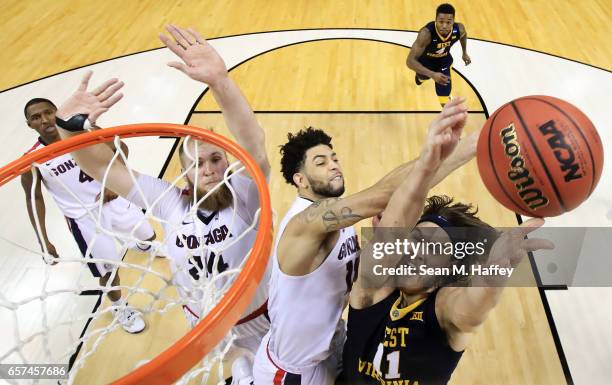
{"x":518,"y":174}
{"x":539,"y":156}
{"x":563,"y":151}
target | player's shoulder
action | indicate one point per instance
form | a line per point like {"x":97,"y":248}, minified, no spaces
{"x":425,"y":32}
{"x":461,"y":28}
{"x":424,"y":36}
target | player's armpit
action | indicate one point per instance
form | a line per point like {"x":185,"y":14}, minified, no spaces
{"x":362,"y":297}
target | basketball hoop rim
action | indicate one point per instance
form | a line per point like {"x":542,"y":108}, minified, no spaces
{"x":184,"y":354}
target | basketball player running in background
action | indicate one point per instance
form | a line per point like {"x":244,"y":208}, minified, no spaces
{"x":117,"y":213}
{"x":188,"y":231}
{"x":414,"y":329}
{"x":316,"y":255}
{"x":430,"y":54}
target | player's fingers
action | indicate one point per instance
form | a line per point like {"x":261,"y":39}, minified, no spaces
{"x":457,"y":128}
{"x":98,"y":90}
{"x":453,"y":102}
{"x":179,"y":66}
{"x":108,"y":103}
{"x":85,"y":81}
{"x":443,"y":138}
{"x":110,"y":91}
{"x":190,"y":39}
{"x":533,"y":244}
{"x":94,"y":115}
{"x":528,"y":226}
{"x":454,"y":107}
{"x":198,"y":38}
{"x":172,"y":45}
{"x":450,"y":121}
{"x":177,"y":34}
{"x":178,"y":38}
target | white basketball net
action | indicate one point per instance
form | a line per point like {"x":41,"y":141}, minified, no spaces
{"x":35,"y":334}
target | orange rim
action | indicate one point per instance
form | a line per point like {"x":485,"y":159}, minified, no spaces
{"x":172,"y":363}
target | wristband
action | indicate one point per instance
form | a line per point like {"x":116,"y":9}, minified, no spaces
{"x":76,"y":123}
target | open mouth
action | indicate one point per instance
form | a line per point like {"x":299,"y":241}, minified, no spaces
{"x":50,"y":129}
{"x":337,"y":178}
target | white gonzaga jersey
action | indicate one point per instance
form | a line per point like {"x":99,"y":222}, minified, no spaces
{"x":305,"y":311}
{"x":204,"y":245}
{"x":64,"y":180}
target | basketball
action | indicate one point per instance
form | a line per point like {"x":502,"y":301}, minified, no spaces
{"x":539,"y":156}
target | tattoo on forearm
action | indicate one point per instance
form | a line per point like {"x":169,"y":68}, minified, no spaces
{"x":333,"y":220}
{"x":312,"y":214}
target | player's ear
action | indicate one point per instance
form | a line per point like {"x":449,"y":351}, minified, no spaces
{"x":300,"y":180}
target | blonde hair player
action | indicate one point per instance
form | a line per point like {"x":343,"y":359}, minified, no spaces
{"x":315,"y":259}
{"x":68,"y":184}
{"x":189,"y":261}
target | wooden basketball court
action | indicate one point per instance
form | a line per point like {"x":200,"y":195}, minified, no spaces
{"x":358,"y":91}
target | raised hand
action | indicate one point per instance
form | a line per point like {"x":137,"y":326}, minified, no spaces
{"x":511,"y":246}
{"x":92,"y":103}
{"x":201,"y":61}
{"x":444,"y":133}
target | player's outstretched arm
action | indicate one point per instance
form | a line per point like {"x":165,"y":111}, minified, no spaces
{"x":27,"y":181}
{"x":403,"y":211}
{"x":201,"y":62}
{"x":332,"y":214}
{"x":465,"y":308}
{"x":305,"y":232}
{"x":80,"y":111}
